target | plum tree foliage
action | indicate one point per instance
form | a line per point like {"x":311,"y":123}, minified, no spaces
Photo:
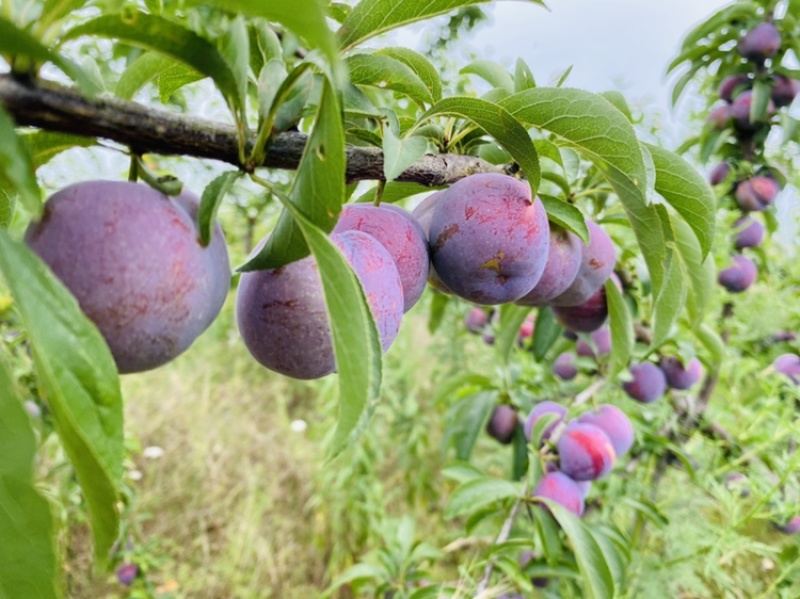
{"x":597,"y":251}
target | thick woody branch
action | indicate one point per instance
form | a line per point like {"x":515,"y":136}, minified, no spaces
{"x":56,"y":108}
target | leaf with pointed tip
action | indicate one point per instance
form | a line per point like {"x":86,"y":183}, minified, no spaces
{"x":511,"y":319}
{"x":545,"y":333}
{"x":16,"y":165}
{"x":621,"y":328}
{"x":80,"y":381}
{"x":420,"y":65}
{"x":27,"y":541}
{"x":400,"y":153}
{"x":491,"y":72}
{"x":477,"y":493}
{"x":498,"y":123}
{"x":701,"y":272}
{"x":565,"y":215}
{"x":43,"y":146}
{"x":140,"y":72}
{"x":523,"y":78}
{"x":385,"y":72}
{"x":212,"y":197}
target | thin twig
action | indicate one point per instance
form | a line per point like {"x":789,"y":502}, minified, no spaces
{"x":505,"y":531}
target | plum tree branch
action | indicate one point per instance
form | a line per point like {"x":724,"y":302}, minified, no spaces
{"x":53,"y":107}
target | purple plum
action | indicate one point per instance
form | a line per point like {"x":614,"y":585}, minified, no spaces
{"x":564,"y":367}
{"x":719,"y":117}
{"x":488,"y":240}
{"x":282,"y":315}
{"x":423,"y":213}
{"x":585,"y":452}
{"x":719,"y":173}
{"x":398,"y":232}
{"x":739,"y":276}
{"x":526,"y":331}
{"x":132,"y":258}
{"x":679,"y":376}
{"x":740,"y":112}
{"x":597,"y":264}
{"x":539,"y":410}
{"x":502,"y":423}
{"x":761,"y":42}
{"x":615,"y":423}
{"x":788,"y":365}
{"x":784,"y":90}
{"x":748,"y":233}
{"x":732,"y":86}
{"x":791,"y":527}
{"x":648,"y":384}
{"x":560,"y":488}
{"x":756,"y":194}
{"x":476,"y":320}
{"x":560,"y":271}
{"x":586,"y":317}
{"x":127,"y":573}
{"x":600,"y":341}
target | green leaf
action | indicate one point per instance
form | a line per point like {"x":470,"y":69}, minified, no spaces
{"x":619,"y":102}
{"x":44,"y":145}
{"x":492,"y":72}
{"x":670,"y":300}
{"x":236,"y":52}
{"x":373,"y":17}
{"x":687,"y":191}
{"x":305,"y":18}
{"x":498,"y":123}
{"x":157,"y":33}
{"x":317,"y":191}
{"x":270,"y":79}
{"x":762,"y":92}
{"x":400,"y":153}
{"x":475,"y":494}
{"x":621,"y":328}
{"x":55,"y":10}
{"x":394,"y":191}
{"x":466,"y":420}
{"x":16,"y":165}
{"x":590,"y":124}
{"x":511,"y":319}
{"x":356,"y":344}
{"x":8,"y":204}
{"x":174,"y":77}
{"x":701,"y":272}
{"x":648,"y":509}
{"x":384,"y":72}
{"x":16,"y":42}
{"x":545,"y":333}
{"x":27,"y":540}
{"x":598,"y":580}
{"x":79,"y":380}
{"x":714,"y":345}
{"x":213,"y":195}
{"x":141,"y":72}
{"x":420,"y":65}
{"x":523,"y":78}
{"x":565,"y":215}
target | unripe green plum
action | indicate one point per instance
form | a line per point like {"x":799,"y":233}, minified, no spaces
{"x":132,"y":258}
{"x":488,"y":240}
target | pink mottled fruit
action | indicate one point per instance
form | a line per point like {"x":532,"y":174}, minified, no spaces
{"x":739,"y":275}
{"x":127,"y":573}
{"x":282,"y":315}
{"x":560,"y":271}
{"x":502,"y":423}
{"x":132,"y":258}
{"x":648,"y":384}
{"x":560,"y":488}
{"x":615,"y":423}
{"x":597,"y":264}
{"x":585,"y":452}
{"x":398,"y":232}
{"x":488,"y":240}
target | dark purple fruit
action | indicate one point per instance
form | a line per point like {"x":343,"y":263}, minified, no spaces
{"x":719,"y":117}
{"x":600,"y":344}
{"x":679,"y":376}
{"x":739,"y":276}
{"x":560,"y":271}
{"x":719,"y":173}
{"x":748,"y":233}
{"x":586,"y":317}
{"x":761,"y":42}
{"x":597,"y":264}
{"x":132,"y":258}
{"x":740,"y":112}
{"x":502,"y":424}
{"x":734,"y":85}
{"x":784,"y":90}
{"x":648,"y":383}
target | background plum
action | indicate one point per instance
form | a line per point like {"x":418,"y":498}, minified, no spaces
{"x":756,"y":194}
{"x":784,"y":90}
{"x":539,"y":410}
{"x":560,"y":488}
{"x":679,"y":376}
{"x":733,"y":85}
{"x":740,"y":112}
{"x":739,"y":275}
{"x":502,"y":423}
{"x":648,"y":384}
{"x":563,"y":263}
{"x":760,"y":43}
{"x":476,"y":320}
{"x":488,"y":241}
{"x":597,"y":264}
{"x":748,"y":232}
{"x":131,"y":257}
{"x":719,"y":173}
{"x":788,"y":365}
{"x":720,"y":117}
{"x":585,"y":452}
{"x":615,"y":423}
{"x":398,"y":232}
{"x":600,"y":344}
{"x":586,"y":317}
{"x":564,"y":366}
{"x":282,"y":316}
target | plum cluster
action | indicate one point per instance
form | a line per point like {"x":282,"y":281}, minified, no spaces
{"x":649,"y":381}
{"x":754,"y":190}
{"x":132,"y":258}
{"x":281,"y":312}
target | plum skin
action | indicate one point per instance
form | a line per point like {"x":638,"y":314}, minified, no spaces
{"x":719,"y":173}
{"x":488,"y":240}
{"x":585,"y":452}
{"x":132,"y":258}
{"x":476,"y":320}
{"x":739,"y":276}
{"x":788,"y":365}
{"x":560,"y":270}
{"x":564,"y":367}
{"x":597,"y":263}
{"x":756,"y":194}
{"x":760,"y":43}
{"x":586,"y":317}
{"x":398,"y":232}
{"x":648,"y":384}
{"x":502,"y":423}
{"x":560,"y":488}
{"x":739,"y":111}
{"x":539,"y":410}
{"x":601,"y":341}
{"x":679,"y":376}
{"x":748,"y":233}
{"x":282,"y":316}
{"x":615,"y":423}
{"x":730,"y":85}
